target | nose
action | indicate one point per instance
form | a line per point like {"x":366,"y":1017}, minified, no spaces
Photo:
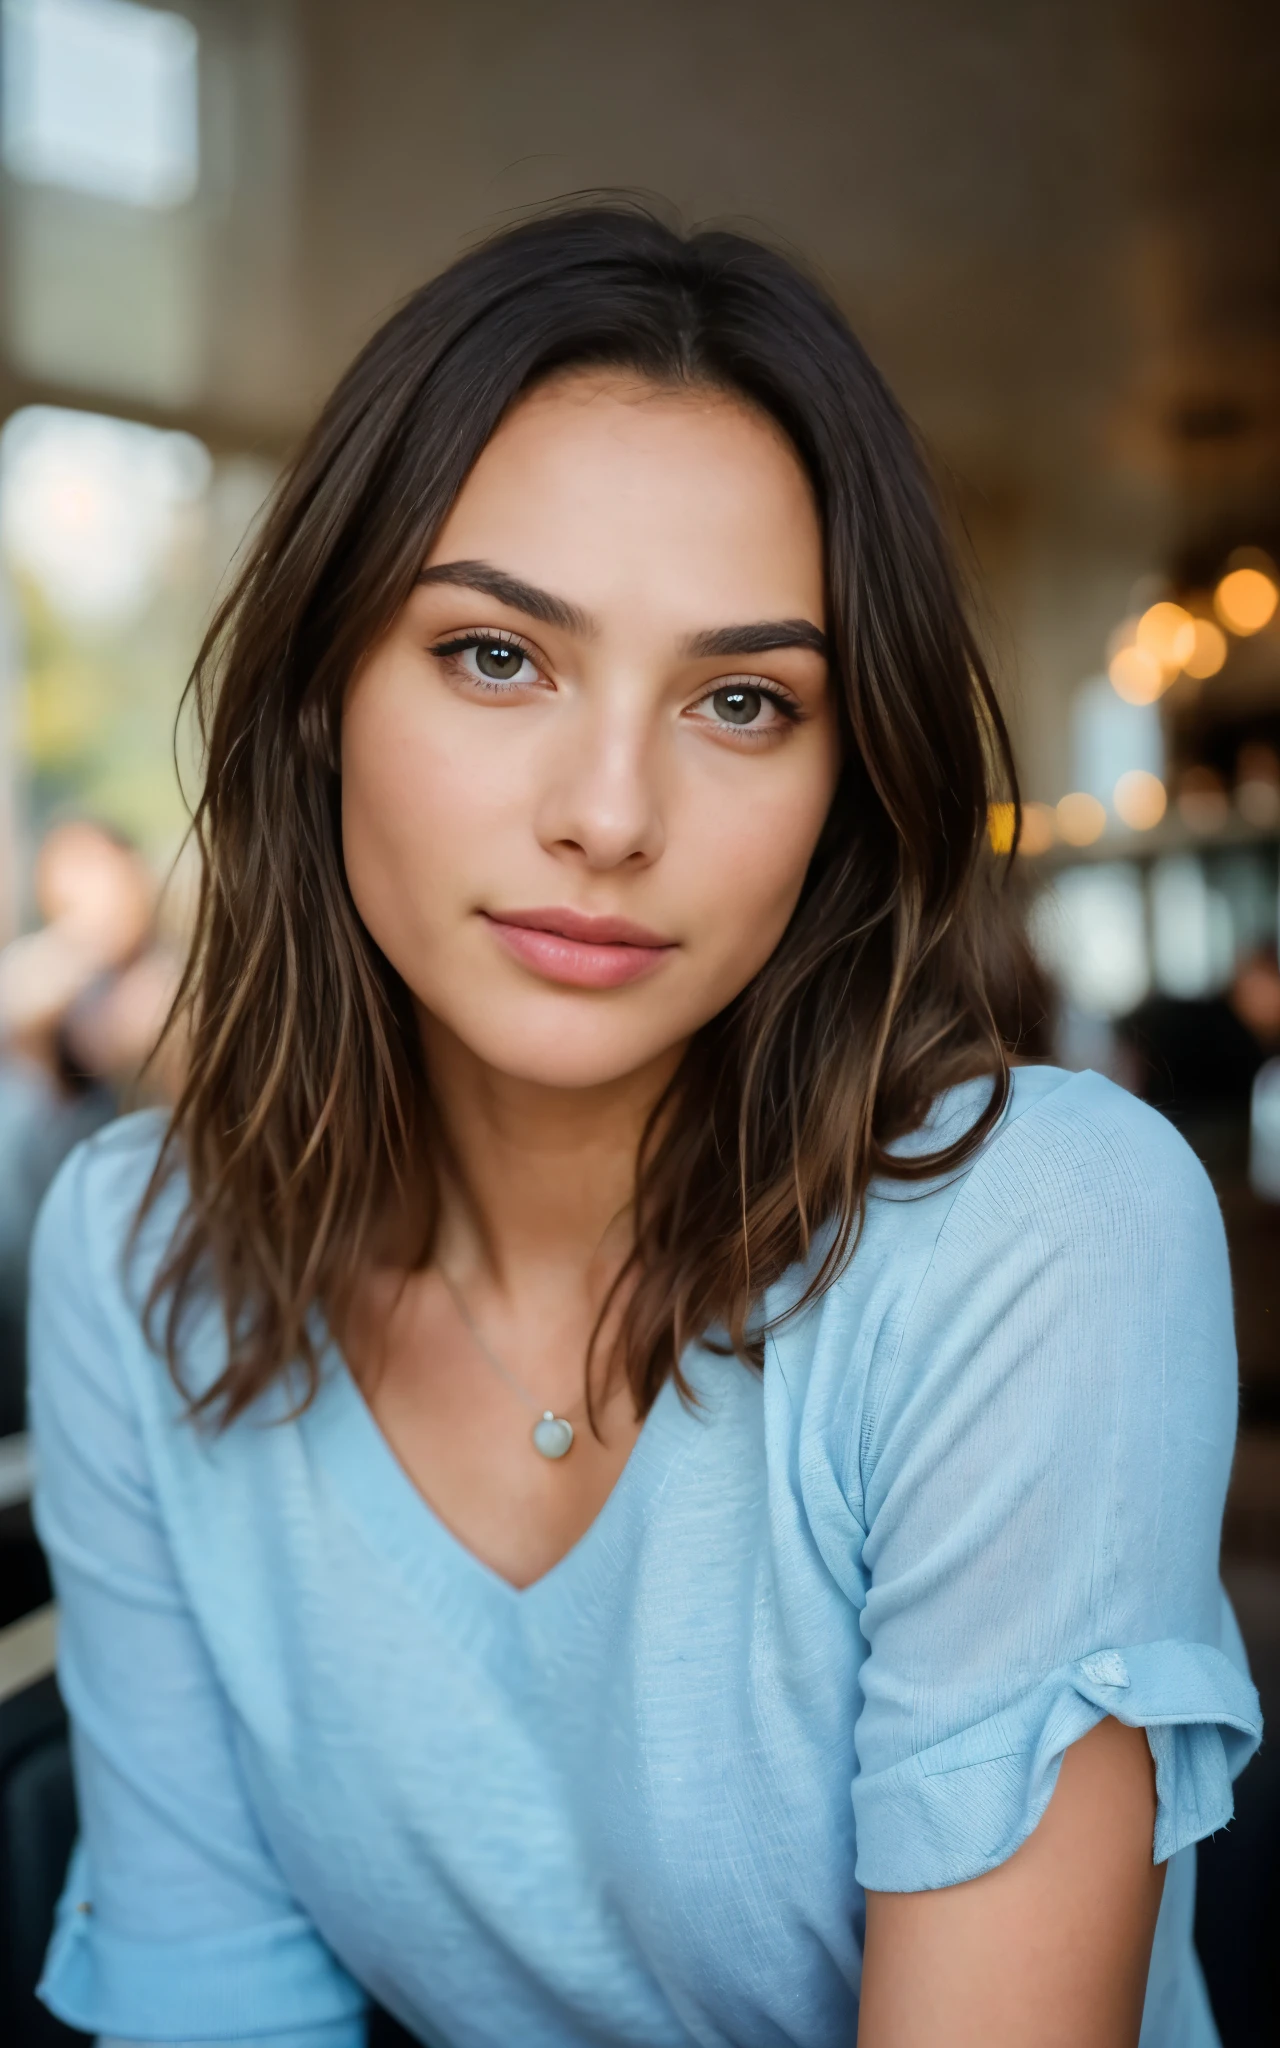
{"x":601,"y":803}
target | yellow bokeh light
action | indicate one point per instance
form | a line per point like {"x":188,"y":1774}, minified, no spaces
{"x":1210,"y":650}
{"x":1000,"y":823}
{"x":1080,"y":818}
{"x":1245,"y":600}
{"x":1038,"y":829}
{"x":1140,"y":799}
{"x":1137,"y":675}
{"x":1168,"y":632}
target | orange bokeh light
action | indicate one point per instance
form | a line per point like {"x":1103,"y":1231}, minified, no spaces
{"x":1210,"y":650}
{"x":1038,"y":829}
{"x":1168,"y":632}
{"x":1245,"y":600}
{"x":1137,"y":675}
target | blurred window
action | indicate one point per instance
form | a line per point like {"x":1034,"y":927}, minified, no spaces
{"x":1110,"y":739}
{"x":1264,"y":1133}
{"x":101,"y":96}
{"x":1089,"y":927}
{"x":114,"y":537}
{"x":1192,"y":940}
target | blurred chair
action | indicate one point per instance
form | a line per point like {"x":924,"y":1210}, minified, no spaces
{"x":37,"y":1826}
{"x":24,"y":1575}
{"x":1238,"y":1911}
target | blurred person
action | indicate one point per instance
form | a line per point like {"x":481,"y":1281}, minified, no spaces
{"x":82,"y":1000}
{"x":95,"y":900}
{"x":1255,"y":997}
{"x":1198,"y":1054}
{"x":613,"y":1474}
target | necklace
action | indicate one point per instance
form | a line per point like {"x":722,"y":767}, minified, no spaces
{"x":552,"y":1434}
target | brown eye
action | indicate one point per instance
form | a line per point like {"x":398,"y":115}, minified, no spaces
{"x":737,"y":705}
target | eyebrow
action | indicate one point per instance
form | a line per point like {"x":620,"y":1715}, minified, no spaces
{"x":512,"y":590}
{"x":761,"y":636}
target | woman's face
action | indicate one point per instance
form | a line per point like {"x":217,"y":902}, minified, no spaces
{"x":584,"y":772}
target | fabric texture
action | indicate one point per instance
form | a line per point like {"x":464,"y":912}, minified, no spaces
{"x":834,"y":1629}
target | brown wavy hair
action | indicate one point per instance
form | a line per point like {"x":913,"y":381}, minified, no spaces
{"x":306,"y":1106}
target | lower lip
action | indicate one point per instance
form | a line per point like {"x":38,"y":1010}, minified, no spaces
{"x":573,"y":961}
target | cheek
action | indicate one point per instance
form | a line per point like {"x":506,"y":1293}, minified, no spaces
{"x":748,"y":863}
{"x":404,"y":825}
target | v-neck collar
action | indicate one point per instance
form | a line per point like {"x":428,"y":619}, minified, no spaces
{"x":399,"y":1521}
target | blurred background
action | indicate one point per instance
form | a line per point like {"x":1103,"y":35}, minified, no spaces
{"x":1055,"y":227}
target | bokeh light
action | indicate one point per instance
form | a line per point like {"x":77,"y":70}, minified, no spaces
{"x":1168,"y":632}
{"x":1246,"y":600}
{"x":1080,"y":818}
{"x":1209,"y":652}
{"x":1140,"y":799}
{"x":1038,"y":829}
{"x":1137,"y":675}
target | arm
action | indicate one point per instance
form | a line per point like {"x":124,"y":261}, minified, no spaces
{"x":1043,"y":1469}
{"x":176,"y":1922}
{"x":996,"y":1962}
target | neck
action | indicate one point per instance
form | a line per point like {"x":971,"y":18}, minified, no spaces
{"x":542,"y":1182}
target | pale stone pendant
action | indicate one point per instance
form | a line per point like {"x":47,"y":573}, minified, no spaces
{"x":552,"y":1436}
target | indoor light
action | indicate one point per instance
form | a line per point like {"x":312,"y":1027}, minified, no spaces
{"x":1140,"y":799}
{"x":1038,"y":828}
{"x":1210,"y":650}
{"x":1137,"y":675}
{"x":1245,"y":600}
{"x":1168,"y":632}
{"x":1080,"y":818}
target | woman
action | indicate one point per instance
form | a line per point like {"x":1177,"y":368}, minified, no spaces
{"x":640,"y":1369}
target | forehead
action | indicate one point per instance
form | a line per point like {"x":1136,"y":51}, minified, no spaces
{"x":599,"y":485}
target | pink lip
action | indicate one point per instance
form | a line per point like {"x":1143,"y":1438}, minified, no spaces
{"x":582,"y":952}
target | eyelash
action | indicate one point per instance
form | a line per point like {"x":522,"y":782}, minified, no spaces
{"x":463,"y":643}
{"x":788,"y":706}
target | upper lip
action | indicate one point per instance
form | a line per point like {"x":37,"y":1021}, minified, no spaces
{"x":576,"y":924}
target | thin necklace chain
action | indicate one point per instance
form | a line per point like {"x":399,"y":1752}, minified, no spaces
{"x":486,"y":1349}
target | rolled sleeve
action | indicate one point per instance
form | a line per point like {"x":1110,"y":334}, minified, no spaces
{"x":1044,"y":1475}
{"x":964,"y":1806}
{"x":271,"y":1979}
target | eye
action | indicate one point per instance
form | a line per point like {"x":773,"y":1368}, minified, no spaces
{"x":498,"y":661}
{"x":488,"y":658}
{"x":738,"y":706}
{"x":748,"y":708}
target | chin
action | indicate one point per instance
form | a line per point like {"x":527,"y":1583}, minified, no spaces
{"x":565,"y":1052}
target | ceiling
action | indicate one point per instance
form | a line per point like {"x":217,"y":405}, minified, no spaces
{"x":1054,"y":225}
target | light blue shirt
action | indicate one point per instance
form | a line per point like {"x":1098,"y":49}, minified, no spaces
{"x":834,"y":1629}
